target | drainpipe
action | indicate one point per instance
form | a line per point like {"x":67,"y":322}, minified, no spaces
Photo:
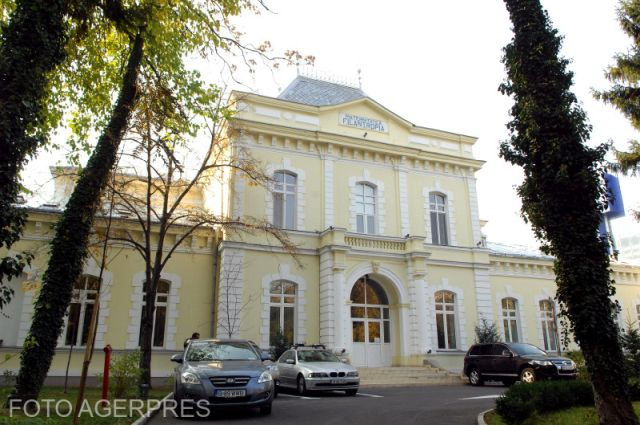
{"x":216,"y":269}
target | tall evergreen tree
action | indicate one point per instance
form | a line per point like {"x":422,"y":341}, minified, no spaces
{"x":562,"y":196}
{"x":33,"y":26}
{"x":625,"y":92}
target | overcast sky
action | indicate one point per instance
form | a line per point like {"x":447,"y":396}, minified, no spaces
{"x":437,"y":64}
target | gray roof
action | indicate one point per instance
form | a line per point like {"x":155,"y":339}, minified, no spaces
{"x":516,"y":251}
{"x":319,"y":93}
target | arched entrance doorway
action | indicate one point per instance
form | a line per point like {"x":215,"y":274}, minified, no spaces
{"x":370,"y":324}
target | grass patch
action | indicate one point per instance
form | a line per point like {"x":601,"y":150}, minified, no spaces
{"x":573,"y":416}
{"x":63,"y":415}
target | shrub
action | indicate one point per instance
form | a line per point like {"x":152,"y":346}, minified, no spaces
{"x":486,"y":332}
{"x":124,"y":376}
{"x":524,"y":400}
{"x":581,"y":365}
{"x":280,"y":344}
{"x":631,"y":344}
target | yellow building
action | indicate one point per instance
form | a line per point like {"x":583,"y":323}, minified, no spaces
{"x":394,"y":266}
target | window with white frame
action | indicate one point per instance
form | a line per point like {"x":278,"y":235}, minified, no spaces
{"x":282,"y":306}
{"x":284,"y":200}
{"x":446,"y":319}
{"x":160,"y":314}
{"x":510,"y":319}
{"x":365,"y":208}
{"x":438,"y":216}
{"x":83,"y":298}
{"x":548,"y":322}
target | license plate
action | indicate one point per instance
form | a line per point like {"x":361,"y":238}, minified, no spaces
{"x":337,"y":381}
{"x":230,"y":393}
{"x":567,"y":367}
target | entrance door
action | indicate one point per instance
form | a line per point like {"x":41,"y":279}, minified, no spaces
{"x":370,"y":324}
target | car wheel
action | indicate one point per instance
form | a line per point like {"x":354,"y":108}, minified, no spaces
{"x":527,"y":375}
{"x":474,"y":377}
{"x":351,"y":392}
{"x":302,"y":385}
{"x":265,"y":410}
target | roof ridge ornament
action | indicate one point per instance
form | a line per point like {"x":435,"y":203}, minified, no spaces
{"x":315,"y":74}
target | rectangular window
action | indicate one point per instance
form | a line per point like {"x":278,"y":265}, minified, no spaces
{"x":85,"y":291}
{"x":159,"y":316}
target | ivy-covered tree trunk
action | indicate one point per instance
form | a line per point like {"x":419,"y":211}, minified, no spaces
{"x":69,"y":245}
{"x":31,"y":46}
{"x":562,"y":196}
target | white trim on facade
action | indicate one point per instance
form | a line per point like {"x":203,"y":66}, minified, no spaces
{"x":522,"y":326}
{"x":300,"y":325}
{"x":461,"y":318}
{"x":400,"y":298}
{"x":451,"y":213}
{"x":366,"y":178}
{"x":135,"y":311}
{"x":300,"y":174}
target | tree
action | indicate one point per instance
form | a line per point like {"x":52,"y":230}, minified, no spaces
{"x":625,"y":92}
{"x":563,"y":195}
{"x":106,"y":55}
{"x":159,"y":193}
{"x":34,"y":26}
{"x":486,"y":332}
{"x":230,"y":298}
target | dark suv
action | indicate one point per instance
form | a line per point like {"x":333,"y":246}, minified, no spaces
{"x":509,"y":362}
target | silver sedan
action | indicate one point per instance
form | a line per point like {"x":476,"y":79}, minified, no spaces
{"x":314,"y":369}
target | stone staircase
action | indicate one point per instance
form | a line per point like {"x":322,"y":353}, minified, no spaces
{"x":407,"y":375}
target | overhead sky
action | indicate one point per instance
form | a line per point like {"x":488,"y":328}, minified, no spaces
{"x":437,"y":64}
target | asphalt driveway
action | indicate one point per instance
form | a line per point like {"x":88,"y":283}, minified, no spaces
{"x":450,"y":404}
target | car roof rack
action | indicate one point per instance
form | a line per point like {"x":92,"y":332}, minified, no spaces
{"x":313,"y":346}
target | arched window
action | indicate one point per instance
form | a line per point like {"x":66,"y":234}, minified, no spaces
{"x":438,"y":216}
{"x":370,"y":320}
{"x":160,"y":316}
{"x":510,"y":319}
{"x":446,"y":319}
{"x":282,"y":307}
{"x":284,"y":200}
{"x":365,"y":208}
{"x":549,"y":334}
{"x":83,"y":298}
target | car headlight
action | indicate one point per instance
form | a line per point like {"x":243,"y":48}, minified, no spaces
{"x":542,"y":362}
{"x":318,"y":375}
{"x":189,"y":378}
{"x":352,"y":374}
{"x":265,"y":377}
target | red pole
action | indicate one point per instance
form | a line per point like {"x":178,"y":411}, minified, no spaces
{"x":105,"y":374}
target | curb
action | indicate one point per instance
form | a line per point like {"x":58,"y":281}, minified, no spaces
{"x":144,"y":419}
{"x":481,"y":417}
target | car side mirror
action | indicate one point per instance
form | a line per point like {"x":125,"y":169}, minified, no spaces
{"x":176,"y":358}
{"x":507,"y":353}
{"x":265,"y":355}
{"x":290,"y":361}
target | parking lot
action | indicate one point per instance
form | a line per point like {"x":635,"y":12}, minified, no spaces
{"x":449,"y":404}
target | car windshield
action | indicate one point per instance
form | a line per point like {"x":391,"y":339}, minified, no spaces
{"x":217,"y":350}
{"x":527,"y":350}
{"x":317,"y":356}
